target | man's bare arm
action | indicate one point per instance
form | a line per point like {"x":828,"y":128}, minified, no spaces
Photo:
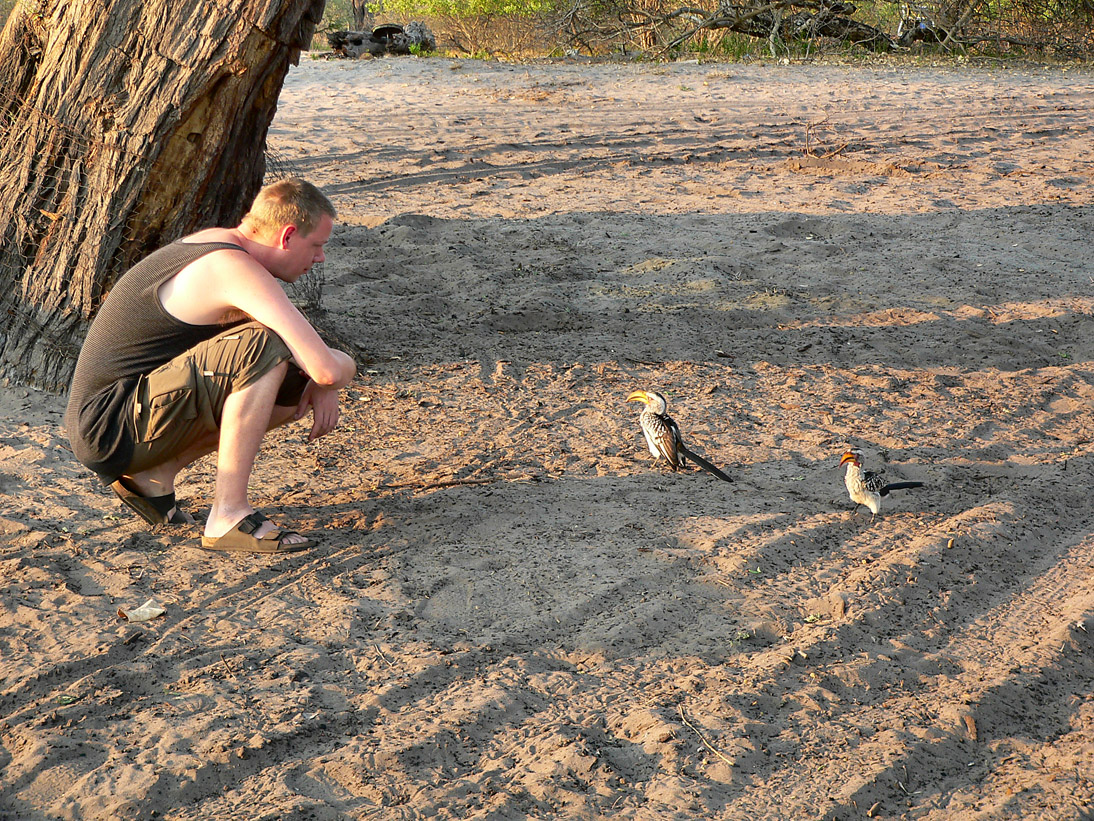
{"x":229,"y":280}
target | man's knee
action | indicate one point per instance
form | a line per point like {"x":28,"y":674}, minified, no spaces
{"x":264,"y":348}
{"x":184,"y":400}
{"x":238,"y":358}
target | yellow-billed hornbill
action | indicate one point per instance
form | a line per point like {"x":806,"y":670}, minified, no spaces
{"x":866,"y":487}
{"x":663,"y":434}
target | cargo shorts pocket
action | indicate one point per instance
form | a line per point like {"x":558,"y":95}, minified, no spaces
{"x":167,"y":398}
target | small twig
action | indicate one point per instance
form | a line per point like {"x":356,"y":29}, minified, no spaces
{"x":380,"y":653}
{"x":702,"y":738}
{"x":227,"y":666}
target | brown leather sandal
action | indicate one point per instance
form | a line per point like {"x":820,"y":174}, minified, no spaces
{"x":241,"y":539}
{"x":156,"y":510}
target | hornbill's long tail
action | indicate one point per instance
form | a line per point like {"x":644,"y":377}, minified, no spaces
{"x":703,"y":463}
{"x":884,"y":491}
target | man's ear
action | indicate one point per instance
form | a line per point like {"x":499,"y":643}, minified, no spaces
{"x":283,"y":236}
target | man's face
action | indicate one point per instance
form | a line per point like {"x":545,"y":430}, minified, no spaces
{"x":302,"y":251}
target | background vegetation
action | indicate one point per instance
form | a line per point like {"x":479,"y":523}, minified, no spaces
{"x":1038,"y":29}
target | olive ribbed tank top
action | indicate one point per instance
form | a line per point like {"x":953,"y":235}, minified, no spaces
{"x":131,"y":335}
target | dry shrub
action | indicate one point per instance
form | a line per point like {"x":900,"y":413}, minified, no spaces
{"x":489,"y":35}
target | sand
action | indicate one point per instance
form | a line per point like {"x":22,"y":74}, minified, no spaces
{"x":513,"y":613}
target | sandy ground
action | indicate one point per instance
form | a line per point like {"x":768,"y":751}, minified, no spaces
{"x":512,"y":613}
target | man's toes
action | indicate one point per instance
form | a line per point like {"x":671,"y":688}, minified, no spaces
{"x":176,"y":516}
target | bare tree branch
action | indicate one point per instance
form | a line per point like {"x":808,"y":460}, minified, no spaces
{"x":788,"y":19}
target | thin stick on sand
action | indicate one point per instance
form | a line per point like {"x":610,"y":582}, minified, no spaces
{"x":703,"y":738}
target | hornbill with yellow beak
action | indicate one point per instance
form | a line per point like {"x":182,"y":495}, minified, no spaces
{"x":866,"y":487}
{"x":663,"y":434}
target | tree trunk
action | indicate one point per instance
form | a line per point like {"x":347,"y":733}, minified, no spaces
{"x":362,"y":15}
{"x":124,"y":124}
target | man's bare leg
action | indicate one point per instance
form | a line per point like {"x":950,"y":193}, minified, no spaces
{"x":248,"y":414}
{"x":159,"y":480}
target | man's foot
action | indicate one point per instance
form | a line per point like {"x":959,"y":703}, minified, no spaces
{"x":254,"y":533}
{"x":156,"y":510}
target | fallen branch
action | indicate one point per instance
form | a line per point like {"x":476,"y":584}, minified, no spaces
{"x":789,"y":19}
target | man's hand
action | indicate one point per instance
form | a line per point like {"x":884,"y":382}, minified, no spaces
{"x":324,"y":409}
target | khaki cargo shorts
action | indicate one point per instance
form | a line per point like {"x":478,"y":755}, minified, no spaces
{"x":181,"y":402}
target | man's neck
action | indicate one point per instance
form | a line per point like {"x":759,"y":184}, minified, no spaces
{"x":232,"y":235}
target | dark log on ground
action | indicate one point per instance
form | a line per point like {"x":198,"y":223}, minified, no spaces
{"x":390,"y":38}
{"x":355,"y":43}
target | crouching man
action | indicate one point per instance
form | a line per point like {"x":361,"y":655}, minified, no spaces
{"x":195,"y":349}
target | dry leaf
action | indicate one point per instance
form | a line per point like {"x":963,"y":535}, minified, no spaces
{"x":149,"y":610}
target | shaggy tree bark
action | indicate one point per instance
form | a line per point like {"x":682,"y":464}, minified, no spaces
{"x":124,"y":124}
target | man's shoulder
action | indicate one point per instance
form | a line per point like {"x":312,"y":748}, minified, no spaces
{"x":206,"y":235}
{"x":218,"y":251}
{"x":210,"y":250}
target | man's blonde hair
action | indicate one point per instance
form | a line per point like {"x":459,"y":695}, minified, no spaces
{"x":291,"y":201}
